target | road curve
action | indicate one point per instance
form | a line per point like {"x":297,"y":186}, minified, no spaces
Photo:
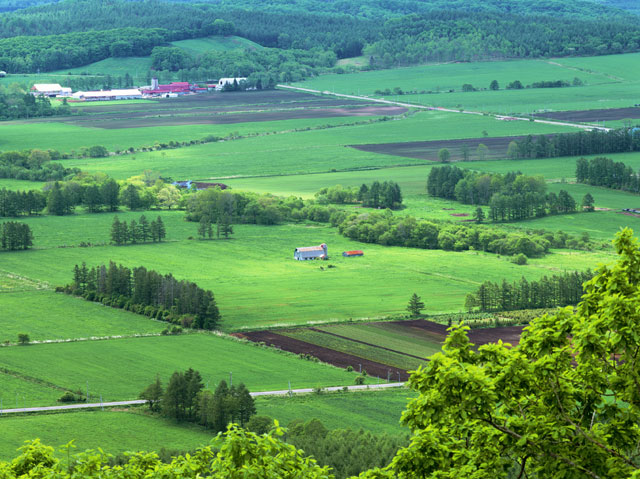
{"x":282,"y":392}
{"x":439,"y":108}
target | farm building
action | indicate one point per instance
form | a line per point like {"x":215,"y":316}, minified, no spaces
{"x":198,"y":185}
{"x":50,"y":90}
{"x":351,"y":254}
{"x":311,"y":252}
{"x":128,"y":94}
{"x":172,"y":89}
{"x":229,"y":81}
{"x":3,"y":74}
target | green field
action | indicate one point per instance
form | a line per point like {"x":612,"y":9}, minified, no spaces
{"x":609,"y":82}
{"x":198,"y":46}
{"x":18,"y":392}
{"x":258,"y":284}
{"x":119,"y":369}
{"x":143,"y":433}
{"x":22,"y":185}
{"x":376,"y":411}
{"x":137,"y":67}
{"x":309,"y":151}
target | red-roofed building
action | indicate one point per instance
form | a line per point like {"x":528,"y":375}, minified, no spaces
{"x":351,"y":254}
{"x":173,"y":88}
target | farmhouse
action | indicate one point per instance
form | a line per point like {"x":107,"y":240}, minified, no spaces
{"x":311,"y":252}
{"x":351,"y":254}
{"x":128,"y":94}
{"x":50,"y":90}
{"x":198,"y":185}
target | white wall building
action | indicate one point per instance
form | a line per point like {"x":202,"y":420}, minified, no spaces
{"x":126,"y":94}
{"x":50,"y":89}
{"x":229,"y":81}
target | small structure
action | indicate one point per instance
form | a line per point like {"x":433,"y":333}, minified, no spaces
{"x":352,"y":254}
{"x":172,"y":89}
{"x":223,"y":82}
{"x":311,"y":252}
{"x":104,"y":95}
{"x":50,"y":89}
{"x":198,"y":185}
{"x":3,"y":74}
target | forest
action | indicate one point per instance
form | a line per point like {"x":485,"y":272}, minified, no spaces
{"x":608,"y":173}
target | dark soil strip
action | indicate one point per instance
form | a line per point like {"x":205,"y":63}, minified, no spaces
{"x":510,"y":334}
{"x":337,"y":358}
{"x":439,"y":329}
{"x":367,"y":344}
{"x":428,"y":150}
{"x":608,"y":114}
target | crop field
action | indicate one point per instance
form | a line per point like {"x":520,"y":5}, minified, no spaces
{"x":319,"y":150}
{"x":608,"y":82}
{"x":593,"y":115}
{"x":386,"y":350}
{"x":377,"y":411}
{"x":101,"y":364}
{"x":144,"y":433}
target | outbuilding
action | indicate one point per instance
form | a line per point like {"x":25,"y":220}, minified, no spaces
{"x":311,"y":252}
{"x":50,"y":90}
{"x":351,"y":254}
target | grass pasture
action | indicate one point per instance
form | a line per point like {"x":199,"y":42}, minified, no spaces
{"x":102,"y":364}
{"x":143,"y":433}
{"x":137,"y":67}
{"x":18,"y":392}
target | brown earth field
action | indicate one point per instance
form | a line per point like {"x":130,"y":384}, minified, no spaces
{"x":428,"y":150}
{"x":592,"y":115}
{"x":478,"y":337}
{"x":326,"y":355}
{"x":231,"y":118}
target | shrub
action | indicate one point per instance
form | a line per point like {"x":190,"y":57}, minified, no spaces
{"x":23,"y":339}
{"x":519,"y":259}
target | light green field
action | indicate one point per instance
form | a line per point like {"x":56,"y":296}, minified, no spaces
{"x":143,"y":433}
{"x":28,"y":79}
{"x":16,"y":392}
{"x":119,"y":369}
{"x":258,"y":284}
{"x":137,"y":67}
{"x":67,"y":137}
{"x":609,"y":82}
{"x":21,"y":185}
{"x":48,"y":315}
{"x":354,"y":61}
{"x":198,"y":46}
{"x":376,"y":411}
{"x":309,"y":151}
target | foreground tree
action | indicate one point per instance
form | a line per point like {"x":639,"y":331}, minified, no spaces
{"x":564,"y":403}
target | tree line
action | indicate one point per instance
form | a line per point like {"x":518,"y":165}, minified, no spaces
{"x":33,"y":165}
{"x":511,"y":196}
{"x":594,"y":142}
{"x":146,"y":292}
{"x":135,"y":232}
{"x":15,"y":235}
{"x":186,"y":399}
{"x":608,"y":173}
{"x":19,"y":203}
{"x":376,"y":195}
{"x":15,"y":104}
{"x":548,"y":292}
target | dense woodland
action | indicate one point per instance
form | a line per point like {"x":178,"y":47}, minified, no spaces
{"x":15,"y":236}
{"x":33,"y":165}
{"x":549,"y":292}
{"x":512,"y":196}
{"x":146,"y":292}
{"x":608,"y":173}
{"x":397,"y":33}
{"x":19,"y":104}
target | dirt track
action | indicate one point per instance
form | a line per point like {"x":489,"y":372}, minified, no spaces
{"x":428,"y":150}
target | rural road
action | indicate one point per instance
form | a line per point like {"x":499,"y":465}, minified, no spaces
{"x":438,"y":108}
{"x":282,"y":392}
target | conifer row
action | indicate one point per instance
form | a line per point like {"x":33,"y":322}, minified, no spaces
{"x":140,"y":231}
{"x":15,"y":235}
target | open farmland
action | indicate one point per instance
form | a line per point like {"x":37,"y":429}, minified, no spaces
{"x":70,"y":366}
{"x":592,"y":115}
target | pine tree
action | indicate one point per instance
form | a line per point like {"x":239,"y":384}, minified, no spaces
{"x":415,"y":305}
{"x":153,"y":394}
{"x":144,"y":229}
{"x":116,"y":231}
{"x":162,"y":233}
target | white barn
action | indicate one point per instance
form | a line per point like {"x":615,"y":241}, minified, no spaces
{"x":50,"y":89}
{"x":311,"y":252}
{"x":126,"y":94}
{"x":229,"y":81}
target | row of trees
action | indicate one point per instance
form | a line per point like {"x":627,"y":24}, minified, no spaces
{"x":18,"y":203}
{"x":594,"y":142}
{"x":33,"y":165}
{"x":517,"y":85}
{"x":376,"y":195}
{"x":386,"y":229}
{"x":140,"y":231}
{"x":548,"y":292}
{"x":608,"y":173}
{"x":186,"y":399}
{"x":146,"y":292}
{"x":16,"y":104}
{"x":15,"y":235}
{"x":512,"y":196}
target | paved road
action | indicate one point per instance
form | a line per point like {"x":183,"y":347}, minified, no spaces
{"x":438,"y":108}
{"x":282,"y":392}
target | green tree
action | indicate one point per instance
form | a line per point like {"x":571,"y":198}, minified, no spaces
{"x":512,"y":150}
{"x":205,"y":228}
{"x":563,"y":402}
{"x":145,"y":231}
{"x":587,"y":202}
{"x":23,"y":339}
{"x":109,"y":191}
{"x":444,"y":155}
{"x":92,"y":198}
{"x":130,"y":197}
{"x":482,"y":151}
{"x":415,"y":305}
{"x":478,"y":215}
{"x":494,"y":85}
{"x":153,"y":394}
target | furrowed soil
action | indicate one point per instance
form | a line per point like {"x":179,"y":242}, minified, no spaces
{"x":609,"y":114}
{"x":428,"y":150}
